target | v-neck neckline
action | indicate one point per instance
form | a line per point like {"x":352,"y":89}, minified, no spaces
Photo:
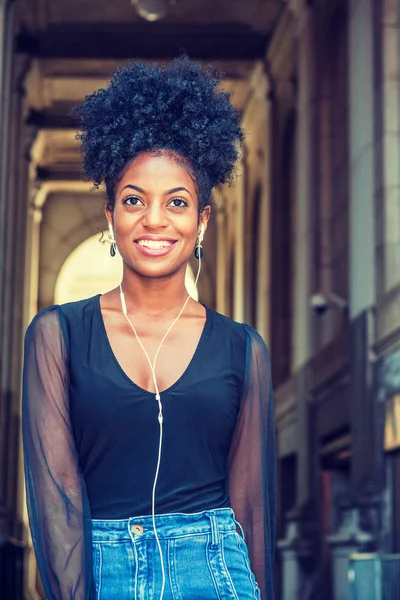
{"x":202,"y":338}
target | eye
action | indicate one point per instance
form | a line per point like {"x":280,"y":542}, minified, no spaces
{"x":132,"y":201}
{"x":178,"y":203}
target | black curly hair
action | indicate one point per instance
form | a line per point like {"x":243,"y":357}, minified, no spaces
{"x":177,"y":110}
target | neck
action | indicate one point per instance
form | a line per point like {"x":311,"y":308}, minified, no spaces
{"x":154,"y":297}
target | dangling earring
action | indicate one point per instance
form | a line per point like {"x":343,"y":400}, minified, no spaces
{"x":198,"y":251}
{"x":113,"y":247}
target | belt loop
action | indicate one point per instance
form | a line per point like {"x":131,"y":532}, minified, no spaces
{"x":238,"y":525}
{"x":130,"y":530}
{"x":214,"y":530}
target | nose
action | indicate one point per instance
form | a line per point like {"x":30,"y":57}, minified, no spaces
{"x":154,"y":217}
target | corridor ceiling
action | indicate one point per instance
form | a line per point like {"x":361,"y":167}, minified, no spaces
{"x":75,"y":45}
{"x":205,"y":29}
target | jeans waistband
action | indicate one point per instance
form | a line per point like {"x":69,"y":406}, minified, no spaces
{"x":168,"y":525}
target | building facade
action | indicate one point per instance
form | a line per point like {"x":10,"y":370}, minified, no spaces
{"x":305,"y":245}
{"x":335,"y":302}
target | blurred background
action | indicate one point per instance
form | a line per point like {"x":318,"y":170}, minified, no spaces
{"x":305,"y":246}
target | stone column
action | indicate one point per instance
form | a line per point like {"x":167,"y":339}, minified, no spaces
{"x":35,"y":216}
{"x":388,"y":184}
{"x":304,"y":235}
{"x":305,"y":188}
{"x":390,"y":189}
{"x":387,"y":202}
{"x":15,"y":198}
{"x":298,"y":547}
{"x":357,"y":528}
{"x":6,"y":58}
{"x":364,"y":153}
{"x":222,"y":242}
{"x":13,"y":211}
{"x":239,"y":279}
{"x":362,"y":159}
{"x":263,"y":299}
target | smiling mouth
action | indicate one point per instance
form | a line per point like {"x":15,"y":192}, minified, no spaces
{"x":160,"y":247}
{"x":155,"y":244}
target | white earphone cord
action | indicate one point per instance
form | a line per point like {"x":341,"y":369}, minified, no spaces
{"x":160,"y":415}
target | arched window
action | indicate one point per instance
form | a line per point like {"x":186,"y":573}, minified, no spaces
{"x":90,"y":270}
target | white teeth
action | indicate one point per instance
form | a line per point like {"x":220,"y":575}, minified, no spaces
{"x":154,"y":244}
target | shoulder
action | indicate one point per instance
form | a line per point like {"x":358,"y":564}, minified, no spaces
{"x":46,"y":319}
{"x":229,"y":335}
{"x":45,"y":331}
{"x":76,"y":310}
{"x":242,"y":331}
{"x":227,"y":325}
{"x":58,"y":319}
{"x":255,"y":340}
{"x":257,"y":355}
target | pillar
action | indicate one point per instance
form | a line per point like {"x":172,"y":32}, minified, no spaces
{"x":263,"y":258}
{"x":387,"y":192}
{"x":13,"y":211}
{"x":362,"y":159}
{"x":390,"y":199}
{"x":356,"y":531}
{"x":298,"y":547}
{"x":222,"y":266}
{"x":239,"y":278}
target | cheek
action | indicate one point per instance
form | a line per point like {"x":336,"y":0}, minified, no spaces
{"x":124,"y":224}
{"x":191,"y":234}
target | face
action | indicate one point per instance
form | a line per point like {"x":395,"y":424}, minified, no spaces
{"x":156,"y":219}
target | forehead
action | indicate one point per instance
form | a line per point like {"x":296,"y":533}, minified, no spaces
{"x":156,"y":173}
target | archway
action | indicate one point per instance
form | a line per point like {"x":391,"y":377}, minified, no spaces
{"x":88,"y":271}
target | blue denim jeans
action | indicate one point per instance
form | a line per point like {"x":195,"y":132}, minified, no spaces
{"x":204,"y":558}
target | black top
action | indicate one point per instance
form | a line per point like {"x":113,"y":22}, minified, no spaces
{"x":91,"y":440}
{"x":116,"y":428}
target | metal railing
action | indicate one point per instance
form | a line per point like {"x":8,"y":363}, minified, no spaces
{"x":374,"y":576}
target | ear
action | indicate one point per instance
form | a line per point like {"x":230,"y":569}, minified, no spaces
{"x":109,"y":218}
{"x":204,"y":217}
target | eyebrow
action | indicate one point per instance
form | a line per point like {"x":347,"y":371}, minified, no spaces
{"x":173,"y":191}
{"x":133,"y":187}
{"x":178,"y":189}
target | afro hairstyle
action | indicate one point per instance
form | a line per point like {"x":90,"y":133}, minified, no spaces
{"x":179,"y":109}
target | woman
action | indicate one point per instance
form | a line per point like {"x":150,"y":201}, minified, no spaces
{"x":148,"y":418}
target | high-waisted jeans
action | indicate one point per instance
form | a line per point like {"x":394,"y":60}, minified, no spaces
{"x":204,"y":558}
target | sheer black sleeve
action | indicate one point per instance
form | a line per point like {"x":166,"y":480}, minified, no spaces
{"x":252,"y":464}
{"x":58,"y":507}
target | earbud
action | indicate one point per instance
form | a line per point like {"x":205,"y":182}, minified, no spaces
{"x":201,"y":234}
{"x":198,"y":251}
{"x":113,"y":247}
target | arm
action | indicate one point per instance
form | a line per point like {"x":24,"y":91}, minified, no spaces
{"x":252,"y":464}
{"x":58,"y":507}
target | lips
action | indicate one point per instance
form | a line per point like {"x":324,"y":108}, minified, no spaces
{"x":154,"y":243}
{"x":154,"y":246}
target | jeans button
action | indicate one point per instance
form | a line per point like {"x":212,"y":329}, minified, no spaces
{"x":138,"y":529}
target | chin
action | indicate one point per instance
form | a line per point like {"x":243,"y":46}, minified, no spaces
{"x":152,"y":270}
